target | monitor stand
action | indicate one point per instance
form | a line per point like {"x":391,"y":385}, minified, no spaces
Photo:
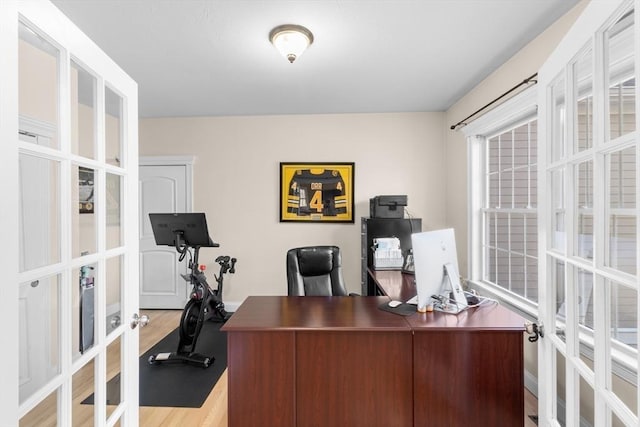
{"x":452,"y":298}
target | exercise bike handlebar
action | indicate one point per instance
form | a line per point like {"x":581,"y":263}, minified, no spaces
{"x":227,"y":264}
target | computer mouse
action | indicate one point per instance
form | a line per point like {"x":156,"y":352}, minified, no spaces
{"x":394,"y":304}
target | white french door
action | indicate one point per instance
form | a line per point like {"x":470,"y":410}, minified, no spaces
{"x":589,"y":196}
{"x":69,"y":173}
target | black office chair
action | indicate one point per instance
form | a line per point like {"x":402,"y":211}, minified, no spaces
{"x":315,"y":270}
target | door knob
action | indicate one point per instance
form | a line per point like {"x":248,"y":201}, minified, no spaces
{"x":139,"y":320}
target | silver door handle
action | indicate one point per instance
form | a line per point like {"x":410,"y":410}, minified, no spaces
{"x":139,"y":320}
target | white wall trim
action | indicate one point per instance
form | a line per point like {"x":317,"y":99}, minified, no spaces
{"x":232,"y":306}
{"x":166,"y":160}
{"x":531,"y":383}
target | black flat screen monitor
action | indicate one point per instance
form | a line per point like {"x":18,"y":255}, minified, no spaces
{"x":191,"y":227}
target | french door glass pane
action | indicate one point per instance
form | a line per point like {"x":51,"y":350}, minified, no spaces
{"x":114,"y":368}
{"x":623,"y":326}
{"x":113,"y":127}
{"x":583,"y":88}
{"x":114,"y":293}
{"x":586,"y":401}
{"x":114,"y":210}
{"x":622,"y":232}
{"x":39,"y":212}
{"x":558,"y":200}
{"x":83,"y":112}
{"x":620,"y":48}
{"x":533,"y":163}
{"x":532,"y":279}
{"x":621,"y":170}
{"x":83,"y":385}
{"x":38,"y":93}
{"x":517,"y":280}
{"x":558,"y":106}
{"x":83,"y":211}
{"x":624,"y":314}
{"x":561,"y":394}
{"x":560,"y":295}
{"x":84,"y":295}
{"x":531,"y":230}
{"x":39,"y":327}
{"x":584,"y":282}
{"x":626,"y":391}
{"x":584,"y":210}
{"x":45,"y":414}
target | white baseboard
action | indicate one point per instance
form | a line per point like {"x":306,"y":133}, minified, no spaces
{"x":531,"y":383}
{"x":232,"y":306}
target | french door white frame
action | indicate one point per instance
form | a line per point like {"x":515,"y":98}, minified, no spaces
{"x":564,"y":344}
{"x":73,"y":45}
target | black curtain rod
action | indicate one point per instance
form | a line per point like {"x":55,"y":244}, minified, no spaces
{"x":526,"y":81}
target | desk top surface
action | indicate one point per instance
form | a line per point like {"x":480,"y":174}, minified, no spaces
{"x":402,"y":287}
{"x":308,"y":313}
{"x":362,"y":314}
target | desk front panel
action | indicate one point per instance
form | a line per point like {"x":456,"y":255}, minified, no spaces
{"x":468,"y":378}
{"x":355,"y":378}
{"x":261,"y":378}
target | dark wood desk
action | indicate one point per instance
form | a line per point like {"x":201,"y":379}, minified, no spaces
{"x":394,"y":284}
{"x":340,"y":361}
{"x":319,"y":361}
{"x":468,"y":368}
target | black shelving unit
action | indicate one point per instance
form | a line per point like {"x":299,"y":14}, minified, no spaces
{"x":373,"y":228}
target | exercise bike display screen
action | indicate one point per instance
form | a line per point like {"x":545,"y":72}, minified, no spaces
{"x":191,"y":227}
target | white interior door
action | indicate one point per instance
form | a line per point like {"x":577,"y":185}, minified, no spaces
{"x":69,"y":155}
{"x":590,"y":221}
{"x":164,"y":188}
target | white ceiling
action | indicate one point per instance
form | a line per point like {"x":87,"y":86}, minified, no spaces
{"x":213,"y":57}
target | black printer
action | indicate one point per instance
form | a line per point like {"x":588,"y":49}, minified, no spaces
{"x":387,"y":206}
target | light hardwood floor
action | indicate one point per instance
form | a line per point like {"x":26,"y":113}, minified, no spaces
{"x":213,"y":412}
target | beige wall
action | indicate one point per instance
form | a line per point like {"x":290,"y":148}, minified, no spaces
{"x":236,"y":171}
{"x":236,"y":181}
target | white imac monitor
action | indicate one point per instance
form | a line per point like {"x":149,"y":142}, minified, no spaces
{"x":436,"y":269}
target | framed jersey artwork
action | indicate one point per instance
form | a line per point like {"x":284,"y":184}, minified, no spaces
{"x":316,"y":192}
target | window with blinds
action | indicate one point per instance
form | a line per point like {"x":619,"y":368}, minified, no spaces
{"x":509,"y":243}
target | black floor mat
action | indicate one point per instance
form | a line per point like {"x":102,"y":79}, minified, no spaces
{"x":177,"y":384}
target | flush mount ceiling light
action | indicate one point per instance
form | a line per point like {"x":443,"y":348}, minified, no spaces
{"x":291,"y":40}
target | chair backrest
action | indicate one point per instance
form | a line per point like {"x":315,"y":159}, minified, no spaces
{"x":315,"y":270}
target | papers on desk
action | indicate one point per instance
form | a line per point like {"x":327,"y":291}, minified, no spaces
{"x":387,"y":254}
{"x":413,"y":300}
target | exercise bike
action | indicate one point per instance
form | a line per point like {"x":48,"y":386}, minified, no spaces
{"x":188,"y":233}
